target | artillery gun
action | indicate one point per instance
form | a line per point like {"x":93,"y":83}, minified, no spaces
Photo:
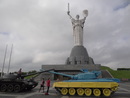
{"x":86,"y":83}
{"x":17,"y":83}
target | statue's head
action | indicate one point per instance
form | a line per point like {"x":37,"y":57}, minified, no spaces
{"x":77,"y":16}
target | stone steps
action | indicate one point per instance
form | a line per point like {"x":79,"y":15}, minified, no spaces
{"x":106,"y":74}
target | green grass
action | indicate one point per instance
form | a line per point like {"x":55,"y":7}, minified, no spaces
{"x":29,"y":77}
{"x":120,"y":74}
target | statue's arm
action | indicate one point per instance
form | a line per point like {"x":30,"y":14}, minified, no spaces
{"x":69,"y":15}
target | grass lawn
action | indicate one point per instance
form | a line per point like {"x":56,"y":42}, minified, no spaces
{"x":29,"y":77}
{"x":120,"y":74}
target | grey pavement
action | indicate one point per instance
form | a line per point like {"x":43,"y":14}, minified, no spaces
{"x":123,"y":92}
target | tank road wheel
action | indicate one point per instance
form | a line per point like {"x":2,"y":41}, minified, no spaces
{"x":88,"y":91}
{"x":106,"y":92}
{"x":114,"y":89}
{"x":3,"y":87}
{"x":72,"y":91}
{"x":10,"y":88}
{"x":97,"y":92}
{"x":23,"y":87}
{"x":17,"y":88}
{"x":80,"y":91}
{"x":64,"y":91}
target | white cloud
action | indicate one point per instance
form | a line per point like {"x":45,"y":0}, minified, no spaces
{"x":41,"y":31}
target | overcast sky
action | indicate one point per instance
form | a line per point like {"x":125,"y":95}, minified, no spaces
{"x":41,"y":32}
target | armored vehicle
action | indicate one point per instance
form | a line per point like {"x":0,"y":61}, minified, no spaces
{"x":17,"y":82}
{"x":86,"y":83}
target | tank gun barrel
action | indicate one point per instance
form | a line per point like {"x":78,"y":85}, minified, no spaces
{"x":71,"y":76}
{"x":36,"y":73}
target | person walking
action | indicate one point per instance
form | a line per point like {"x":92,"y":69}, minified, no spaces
{"x":48,"y":86}
{"x":42,"y":85}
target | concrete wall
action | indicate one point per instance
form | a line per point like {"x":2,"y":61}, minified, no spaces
{"x":71,"y":67}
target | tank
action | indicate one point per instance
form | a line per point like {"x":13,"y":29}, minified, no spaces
{"x":86,"y":83}
{"x":17,"y":83}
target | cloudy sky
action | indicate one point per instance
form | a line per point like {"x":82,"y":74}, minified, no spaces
{"x":41,"y":32}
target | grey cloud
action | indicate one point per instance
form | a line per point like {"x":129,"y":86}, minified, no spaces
{"x":41,"y":31}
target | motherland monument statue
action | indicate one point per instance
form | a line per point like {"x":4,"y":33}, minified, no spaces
{"x":78,"y":58}
{"x":78,"y":25}
{"x":79,"y":54}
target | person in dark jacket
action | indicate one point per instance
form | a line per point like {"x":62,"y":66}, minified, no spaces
{"x":48,"y":86}
{"x":19,"y":73}
{"x":42,"y":85}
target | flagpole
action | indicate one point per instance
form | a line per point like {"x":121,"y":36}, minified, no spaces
{"x":4,"y":61}
{"x":10,"y":58}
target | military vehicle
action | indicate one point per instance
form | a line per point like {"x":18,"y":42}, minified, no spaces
{"x":17,"y":82}
{"x":86,"y":83}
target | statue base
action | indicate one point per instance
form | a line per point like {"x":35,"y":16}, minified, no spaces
{"x":79,"y":55}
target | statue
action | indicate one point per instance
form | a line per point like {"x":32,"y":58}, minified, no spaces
{"x":78,"y":25}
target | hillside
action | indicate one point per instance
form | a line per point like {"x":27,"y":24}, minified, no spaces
{"x":120,"y":74}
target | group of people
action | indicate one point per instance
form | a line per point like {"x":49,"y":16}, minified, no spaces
{"x":43,"y":85}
